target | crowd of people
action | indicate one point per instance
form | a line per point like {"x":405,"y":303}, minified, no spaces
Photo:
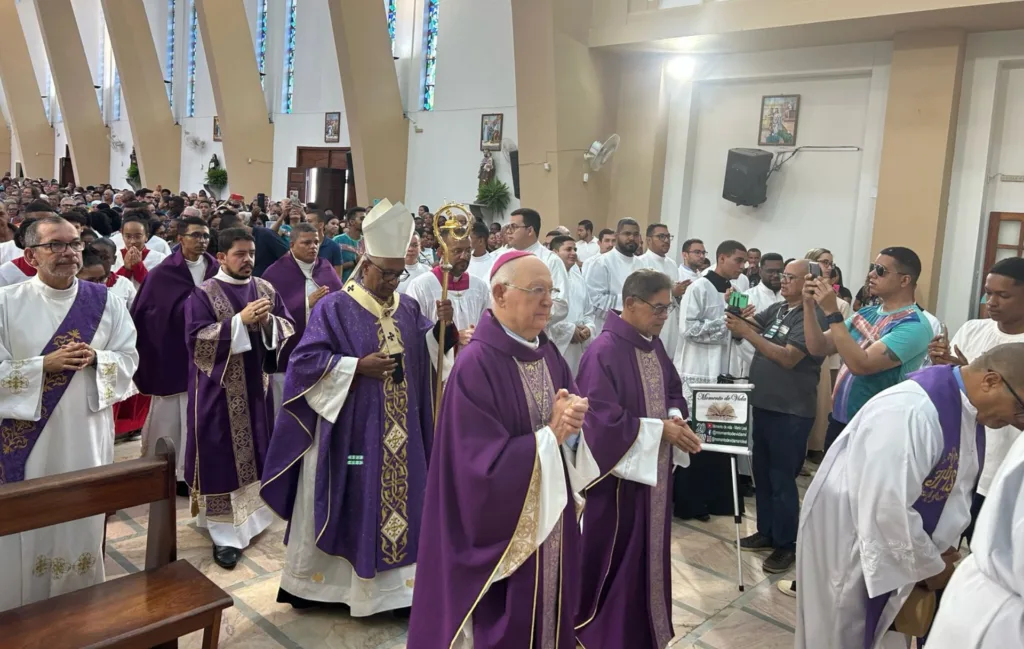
{"x":290,"y":355}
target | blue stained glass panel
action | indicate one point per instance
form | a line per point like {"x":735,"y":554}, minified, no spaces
{"x":392,"y":22}
{"x":99,"y":69}
{"x":288,"y":91}
{"x":261,"y":39}
{"x":190,"y":86}
{"x":430,"y":54}
{"x":117,"y":93}
{"x":169,"y":72}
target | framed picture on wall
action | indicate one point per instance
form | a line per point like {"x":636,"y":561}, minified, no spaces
{"x":216,"y":129}
{"x":332,"y":127}
{"x":490,"y":131}
{"x":779,"y":117}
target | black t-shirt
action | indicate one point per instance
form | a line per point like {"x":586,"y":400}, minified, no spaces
{"x":795,"y":391}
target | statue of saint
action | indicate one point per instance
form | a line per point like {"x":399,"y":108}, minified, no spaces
{"x":487,"y":170}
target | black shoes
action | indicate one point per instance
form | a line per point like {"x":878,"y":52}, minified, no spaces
{"x":181,"y":489}
{"x":756,"y":542}
{"x":781,"y":560}
{"x":226,"y":557}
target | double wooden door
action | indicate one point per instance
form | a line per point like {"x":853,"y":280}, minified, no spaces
{"x":308,"y":157}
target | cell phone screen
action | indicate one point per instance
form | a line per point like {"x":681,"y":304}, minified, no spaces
{"x":398,"y":376}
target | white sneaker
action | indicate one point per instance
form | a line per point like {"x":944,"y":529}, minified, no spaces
{"x":787,"y":586}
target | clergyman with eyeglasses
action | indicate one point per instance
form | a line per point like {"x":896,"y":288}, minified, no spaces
{"x":159,"y":315}
{"x":659,"y":243}
{"x":347,"y":464}
{"x":67,"y":354}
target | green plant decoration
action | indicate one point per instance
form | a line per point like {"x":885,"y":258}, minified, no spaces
{"x":133,"y":174}
{"x":217,"y":177}
{"x":494,"y":195}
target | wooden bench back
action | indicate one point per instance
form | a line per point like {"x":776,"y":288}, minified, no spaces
{"x":41,"y":502}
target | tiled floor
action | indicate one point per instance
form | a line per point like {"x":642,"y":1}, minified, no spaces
{"x":709,"y":610}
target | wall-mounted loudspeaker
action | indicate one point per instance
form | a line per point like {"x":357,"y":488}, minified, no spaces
{"x":513,"y":162}
{"x":746,"y":176}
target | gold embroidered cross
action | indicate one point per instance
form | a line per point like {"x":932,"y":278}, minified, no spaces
{"x":15,"y":382}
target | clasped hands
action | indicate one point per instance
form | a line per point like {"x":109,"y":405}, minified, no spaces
{"x":677,"y":433}
{"x":257,"y":311}
{"x":72,"y":356}
{"x":581,"y":334}
{"x":567,"y":415}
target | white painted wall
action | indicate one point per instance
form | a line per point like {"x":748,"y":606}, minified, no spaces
{"x":817,"y":199}
{"x":989,"y":141}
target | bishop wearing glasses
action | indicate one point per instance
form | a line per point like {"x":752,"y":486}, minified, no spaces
{"x":347,"y":464}
{"x":159,"y":316}
{"x":67,"y":354}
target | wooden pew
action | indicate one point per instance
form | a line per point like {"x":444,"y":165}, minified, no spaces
{"x":152,"y":608}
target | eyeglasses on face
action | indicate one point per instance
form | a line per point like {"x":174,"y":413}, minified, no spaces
{"x":1020,"y":402}
{"x":699,"y":253}
{"x":786,"y":277}
{"x":389,"y":275}
{"x":659,"y":309}
{"x":663,"y":237}
{"x":58,"y":247}
{"x":198,"y":236}
{"x":536,"y":292}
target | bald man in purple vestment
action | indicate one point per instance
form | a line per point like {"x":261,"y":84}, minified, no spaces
{"x":500,"y":541}
{"x":636,"y":429}
{"x":347,"y":463}
{"x":302,"y":279}
{"x":235,"y":324}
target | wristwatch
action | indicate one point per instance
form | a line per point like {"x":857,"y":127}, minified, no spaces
{"x":834,"y":318}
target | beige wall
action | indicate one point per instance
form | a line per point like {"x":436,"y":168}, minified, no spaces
{"x":917,"y":149}
{"x":28,"y":118}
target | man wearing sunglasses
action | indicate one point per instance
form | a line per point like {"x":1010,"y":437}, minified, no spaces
{"x":885,"y":512}
{"x":159,"y":315}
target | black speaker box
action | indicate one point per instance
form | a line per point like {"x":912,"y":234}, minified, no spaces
{"x":746,"y":176}
{"x":513,"y":161}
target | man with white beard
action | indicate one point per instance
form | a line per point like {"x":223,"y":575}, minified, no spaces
{"x":607,"y":274}
{"x":884,"y":514}
{"x":573,"y":335}
{"x":67,"y":354}
{"x":659,"y":241}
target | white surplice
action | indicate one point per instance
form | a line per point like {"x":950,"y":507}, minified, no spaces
{"x":761,"y":297}
{"x":467,"y":306}
{"x":974,"y":339}
{"x":9,"y":251}
{"x":983,"y":605}
{"x":154,"y":243}
{"x":481,"y":266}
{"x":559,"y":280}
{"x":859,"y":535}
{"x":687,"y":273}
{"x":168,"y":415}
{"x":152,"y":260}
{"x":587,"y":249}
{"x":741,"y":283}
{"x":580,"y":313}
{"x":415,"y":270}
{"x":125,"y":289}
{"x":670,"y":332}
{"x":10,"y":274}
{"x":702,"y":354}
{"x":42,"y":563}
{"x":605,"y":278}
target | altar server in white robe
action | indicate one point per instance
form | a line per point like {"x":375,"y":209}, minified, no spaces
{"x":523,"y":230}
{"x":470,"y":296}
{"x":482,"y":260}
{"x":892,"y":497}
{"x":983,"y":605}
{"x":67,"y":354}
{"x":413,"y":266}
{"x":607,"y":274}
{"x":659,"y":242}
{"x":573,"y":335}
{"x":761,"y":296}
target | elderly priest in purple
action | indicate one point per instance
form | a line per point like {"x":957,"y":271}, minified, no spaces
{"x":159,"y":315}
{"x":67,"y":353}
{"x":358,"y":399}
{"x":302,"y":279}
{"x":235,"y":324}
{"x":635,"y":426}
{"x":499,"y":553}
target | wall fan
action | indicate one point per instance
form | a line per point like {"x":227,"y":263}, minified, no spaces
{"x":601,"y":152}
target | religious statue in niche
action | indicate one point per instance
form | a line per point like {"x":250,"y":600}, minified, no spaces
{"x":487,"y":170}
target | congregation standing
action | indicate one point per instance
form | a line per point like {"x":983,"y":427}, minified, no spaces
{"x":291,"y":355}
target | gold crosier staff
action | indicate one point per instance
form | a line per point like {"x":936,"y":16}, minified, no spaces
{"x":452,"y":220}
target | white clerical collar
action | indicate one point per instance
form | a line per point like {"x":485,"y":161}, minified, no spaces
{"x":56,"y":293}
{"x":228,"y":279}
{"x":535,"y":248}
{"x":647,"y":338}
{"x":532,"y":344}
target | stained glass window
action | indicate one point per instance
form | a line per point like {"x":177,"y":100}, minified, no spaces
{"x":430,"y":54}
{"x":100,"y":66}
{"x":392,"y":7}
{"x":261,"y":39}
{"x":193,"y":38}
{"x":288,"y":89}
{"x":49,"y":94}
{"x":117,"y":93}
{"x":169,"y":70}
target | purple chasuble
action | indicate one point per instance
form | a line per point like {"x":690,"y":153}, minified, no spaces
{"x":230,"y":412}
{"x":943,"y":389}
{"x":626,"y":538}
{"x":79,"y":326}
{"x":159,"y":316}
{"x":372,"y":461}
{"x":290,"y":282}
{"x":478,"y":562}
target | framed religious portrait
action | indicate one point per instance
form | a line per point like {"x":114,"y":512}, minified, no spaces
{"x":217,"y":135}
{"x":332,"y":127}
{"x":490,"y":131}
{"x":779,"y":117}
